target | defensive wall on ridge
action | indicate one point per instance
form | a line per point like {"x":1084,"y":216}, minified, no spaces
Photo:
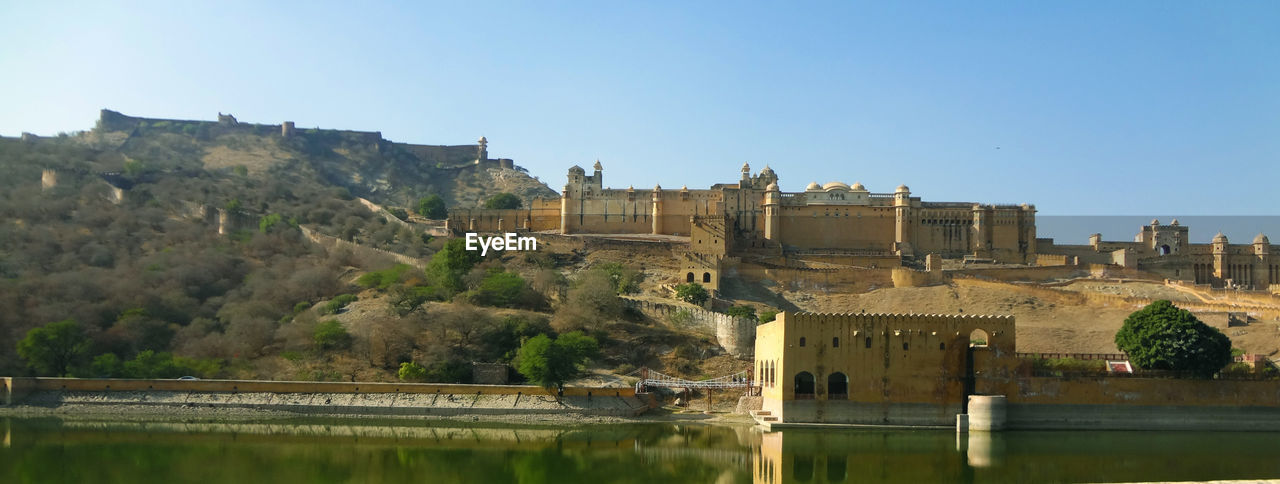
{"x":736,"y":335}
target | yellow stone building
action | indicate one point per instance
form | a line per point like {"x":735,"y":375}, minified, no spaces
{"x":754,"y":216}
{"x":883,"y":369}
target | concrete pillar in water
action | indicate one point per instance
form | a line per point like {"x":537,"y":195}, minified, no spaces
{"x":987,"y":413}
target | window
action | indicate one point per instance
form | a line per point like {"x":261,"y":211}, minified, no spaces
{"x":942,"y":346}
{"x":835,"y":342}
{"x":688,"y":277}
{"x":706,"y":277}
{"x":905,"y":346}
{"x":802,"y":341}
{"x":868,"y":341}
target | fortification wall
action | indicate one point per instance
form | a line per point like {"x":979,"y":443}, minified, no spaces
{"x":334,"y":243}
{"x":445,"y":155}
{"x":735,"y":335}
{"x":806,"y":279}
{"x":1139,"y":403}
{"x":905,"y":277}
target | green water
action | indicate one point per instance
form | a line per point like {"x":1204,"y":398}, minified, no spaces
{"x":50,"y":450}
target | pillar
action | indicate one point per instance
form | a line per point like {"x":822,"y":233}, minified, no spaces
{"x":657,"y":209}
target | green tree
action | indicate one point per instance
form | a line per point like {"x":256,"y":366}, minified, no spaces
{"x":692,"y":293}
{"x":432,"y":207}
{"x":503,"y":201}
{"x":550,"y":363}
{"x":1163,"y":337}
{"x":449,"y":265}
{"x":331,"y":335}
{"x":106,"y":365}
{"x":410,"y":371}
{"x":625,"y":279}
{"x":55,"y":349}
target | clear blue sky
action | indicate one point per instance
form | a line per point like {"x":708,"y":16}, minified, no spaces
{"x":1096,"y":107}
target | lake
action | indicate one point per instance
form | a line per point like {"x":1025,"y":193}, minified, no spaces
{"x":311,"y":450}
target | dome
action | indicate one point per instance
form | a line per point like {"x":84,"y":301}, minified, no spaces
{"x":1261,"y":239}
{"x":835,"y":185}
{"x":577,"y":170}
{"x":812,"y":186}
{"x":746,"y":167}
{"x":657,"y":188}
{"x":902,"y":189}
{"x":773,"y":187}
{"x":598,"y":166}
{"x":766,"y":170}
{"x":858,"y":187}
{"x":1175,"y":222}
{"x":1219,"y":238}
{"x":1155,"y":221}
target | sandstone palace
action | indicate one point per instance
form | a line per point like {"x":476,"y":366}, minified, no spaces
{"x":835,"y":226}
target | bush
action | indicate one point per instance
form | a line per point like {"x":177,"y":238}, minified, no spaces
{"x":338,"y":303}
{"x":331,"y":335}
{"x":410,"y":371}
{"x":1164,"y":337}
{"x":692,"y":293}
{"x":625,"y":279}
{"x":742,"y":312}
{"x":503,"y":201}
{"x":767,"y":316}
{"x":1069,"y":366}
{"x":385,"y":278}
{"x":507,"y":290}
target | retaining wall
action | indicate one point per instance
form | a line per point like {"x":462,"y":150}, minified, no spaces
{"x":326,"y":397}
{"x":735,"y":335}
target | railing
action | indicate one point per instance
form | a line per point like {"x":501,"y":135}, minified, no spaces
{"x":1074,"y":356}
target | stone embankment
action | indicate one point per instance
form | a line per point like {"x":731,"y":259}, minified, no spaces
{"x":322,"y":398}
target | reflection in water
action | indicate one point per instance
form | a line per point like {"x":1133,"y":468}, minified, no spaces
{"x":812,"y":456}
{"x":50,"y":450}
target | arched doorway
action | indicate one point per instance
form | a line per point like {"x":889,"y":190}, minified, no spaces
{"x":688,"y":277}
{"x":706,"y":277}
{"x":804,"y":386}
{"x":1164,"y":249}
{"x":837,"y":386}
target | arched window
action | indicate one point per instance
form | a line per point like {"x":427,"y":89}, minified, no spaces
{"x":802,"y":341}
{"x":835,"y":342}
{"x":804,"y":386}
{"x":978,"y":338}
{"x":837,"y":386}
{"x":942,"y":346}
{"x":688,"y":277}
{"x":706,"y":277}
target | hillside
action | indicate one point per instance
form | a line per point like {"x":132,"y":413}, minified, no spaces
{"x":159,"y":248}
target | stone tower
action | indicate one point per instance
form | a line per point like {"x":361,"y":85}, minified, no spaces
{"x":286,"y":129}
{"x":482,"y":150}
{"x":772,"y":205}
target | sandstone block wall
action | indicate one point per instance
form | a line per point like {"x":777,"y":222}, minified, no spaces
{"x":735,"y":335}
